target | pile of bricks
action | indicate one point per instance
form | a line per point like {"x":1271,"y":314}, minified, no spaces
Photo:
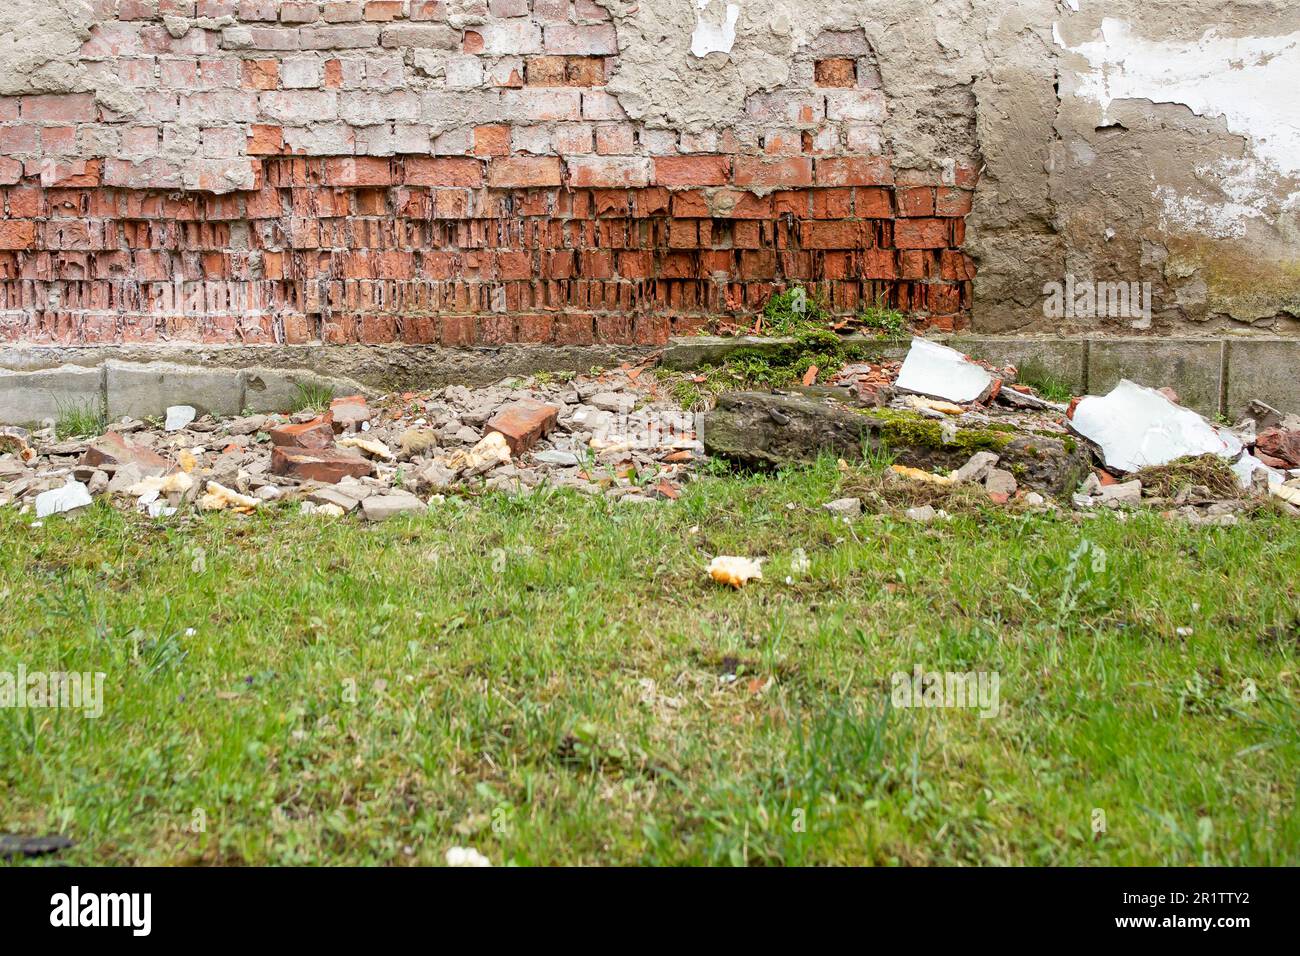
{"x":367,"y":172}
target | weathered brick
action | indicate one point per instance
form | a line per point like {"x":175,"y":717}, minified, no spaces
{"x":449,"y":171}
{"x":692,"y":170}
{"x":854,"y":171}
{"x":756,"y":171}
{"x":525,"y":171}
{"x":920,"y":233}
{"x":609,"y":171}
{"x":522,"y":423}
{"x":840,"y":71}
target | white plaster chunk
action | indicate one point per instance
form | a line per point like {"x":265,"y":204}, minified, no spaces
{"x":1136,"y":427}
{"x":710,"y":37}
{"x":178,"y":417}
{"x":70,"y":497}
{"x":940,"y":372}
{"x":1246,"y":466}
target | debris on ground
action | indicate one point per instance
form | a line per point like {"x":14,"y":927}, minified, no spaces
{"x":954,"y":424}
{"x":1134,"y":427}
{"x":944,"y":373}
{"x":735,"y":571}
{"x":616,"y":434}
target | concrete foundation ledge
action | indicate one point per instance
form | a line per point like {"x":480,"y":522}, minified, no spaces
{"x":38,"y":383}
{"x":1216,"y":376}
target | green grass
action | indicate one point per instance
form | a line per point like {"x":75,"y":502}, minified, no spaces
{"x":553,"y":679}
{"x":77,"y":420}
{"x":311,"y":396}
{"x":1045,"y":383}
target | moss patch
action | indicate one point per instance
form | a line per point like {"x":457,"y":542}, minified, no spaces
{"x":901,"y":429}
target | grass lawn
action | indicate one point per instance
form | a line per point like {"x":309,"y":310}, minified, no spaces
{"x":555,"y":680}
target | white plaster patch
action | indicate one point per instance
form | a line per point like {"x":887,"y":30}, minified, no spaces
{"x":710,"y":37}
{"x":1248,"y":81}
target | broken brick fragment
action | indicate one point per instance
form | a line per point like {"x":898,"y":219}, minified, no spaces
{"x":522,"y":423}
{"x":1281,"y":443}
{"x":317,"y":433}
{"x":349,"y":412}
{"x":113,"y":450}
{"x":329,"y":466}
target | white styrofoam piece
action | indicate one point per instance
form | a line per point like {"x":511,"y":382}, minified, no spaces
{"x":940,"y":372}
{"x":70,"y":497}
{"x":1136,"y":427}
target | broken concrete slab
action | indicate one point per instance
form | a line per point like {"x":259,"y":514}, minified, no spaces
{"x":1262,"y":369}
{"x":385,"y":506}
{"x":769,"y":430}
{"x":69,"y":497}
{"x":1194,"y":369}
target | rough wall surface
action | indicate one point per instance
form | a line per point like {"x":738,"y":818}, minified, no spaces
{"x":605,"y":171}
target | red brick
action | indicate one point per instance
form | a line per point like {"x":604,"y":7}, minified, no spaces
{"x":522,"y":423}
{"x":522,"y":172}
{"x":492,"y":140}
{"x":70,"y":173}
{"x":872,"y":203}
{"x":265,"y":140}
{"x":763,"y":171}
{"x":382,"y":11}
{"x":17,"y":234}
{"x":608,"y":171}
{"x":854,"y":171}
{"x":915,"y":202}
{"x":317,"y":433}
{"x":444,"y":171}
{"x":359,"y":171}
{"x":692,"y":170}
{"x":840,"y":234}
{"x":59,"y":108}
{"x":327,"y":465}
{"x":920,"y":233}
{"x":953,"y":202}
{"x":839,"y":71}
{"x":261,"y":74}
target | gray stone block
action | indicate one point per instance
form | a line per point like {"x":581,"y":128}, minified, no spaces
{"x":1266,"y":369}
{"x":147,"y":389}
{"x":1061,"y":359}
{"x":277,"y":390}
{"x":28,"y":398}
{"x":1192,"y":367}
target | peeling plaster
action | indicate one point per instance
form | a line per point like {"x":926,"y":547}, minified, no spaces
{"x":711,"y":36}
{"x":1247,"y":82}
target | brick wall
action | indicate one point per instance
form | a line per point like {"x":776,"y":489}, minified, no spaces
{"x":370,"y":172}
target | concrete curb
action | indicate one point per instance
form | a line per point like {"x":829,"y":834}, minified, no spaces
{"x":39,"y":382}
{"x":1213,"y":375}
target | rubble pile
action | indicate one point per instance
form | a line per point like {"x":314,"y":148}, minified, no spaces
{"x":953,"y":422}
{"x":611,"y":434}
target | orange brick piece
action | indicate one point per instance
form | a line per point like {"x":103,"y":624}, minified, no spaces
{"x":522,"y":423}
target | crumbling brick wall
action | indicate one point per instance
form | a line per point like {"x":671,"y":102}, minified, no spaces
{"x":383,"y":171}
